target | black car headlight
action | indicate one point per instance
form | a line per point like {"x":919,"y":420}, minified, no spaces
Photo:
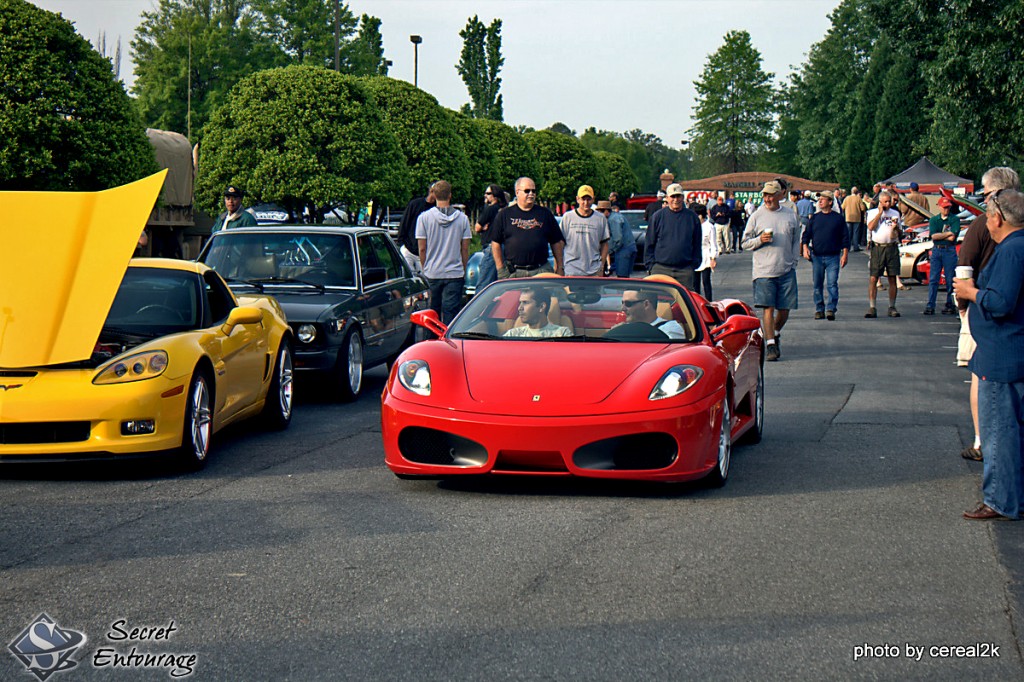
{"x":306,"y":333}
{"x":676,"y":381}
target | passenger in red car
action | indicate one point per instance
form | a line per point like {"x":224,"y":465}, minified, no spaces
{"x":642,"y":306}
{"x":533,"y":311}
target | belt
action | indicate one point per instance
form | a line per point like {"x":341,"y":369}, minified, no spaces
{"x":942,"y":246}
{"x":528,"y":267}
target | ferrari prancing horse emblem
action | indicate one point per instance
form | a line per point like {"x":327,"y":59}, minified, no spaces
{"x":536,"y":398}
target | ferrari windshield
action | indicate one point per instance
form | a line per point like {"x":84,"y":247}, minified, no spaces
{"x":579,"y":310}
{"x":156,"y":301}
{"x":285,"y":258}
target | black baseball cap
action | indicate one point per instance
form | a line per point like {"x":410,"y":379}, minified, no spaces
{"x":233,"y":191}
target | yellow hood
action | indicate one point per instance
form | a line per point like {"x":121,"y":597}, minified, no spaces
{"x":62,"y":258}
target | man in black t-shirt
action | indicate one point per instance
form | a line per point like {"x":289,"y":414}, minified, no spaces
{"x":407,"y":228}
{"x":525,"y":230}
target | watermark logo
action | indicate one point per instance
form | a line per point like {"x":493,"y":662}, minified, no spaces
{"x":45,"y":648}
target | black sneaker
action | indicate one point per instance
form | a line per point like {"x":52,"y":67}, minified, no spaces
{"x":929,"y":311}
{"x":872,"y":312}
{"x":830,"y":315}
{"x":772,"y":354}
{"x":948,"y":310}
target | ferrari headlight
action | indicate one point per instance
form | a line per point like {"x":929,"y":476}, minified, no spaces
{"x":675,"y":381}
{"x":415,"y":376}
{"x":133,"y":368}
{"x":306,"y":333}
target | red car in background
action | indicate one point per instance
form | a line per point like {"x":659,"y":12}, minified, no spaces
{"x":585,"y":387}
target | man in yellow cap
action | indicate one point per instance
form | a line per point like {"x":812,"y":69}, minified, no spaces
{"x":586,"y":236}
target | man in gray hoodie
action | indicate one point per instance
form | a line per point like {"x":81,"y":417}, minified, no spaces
{"x":442,"y":235}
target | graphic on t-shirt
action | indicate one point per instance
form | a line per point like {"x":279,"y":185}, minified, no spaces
{"x":525,"y":223}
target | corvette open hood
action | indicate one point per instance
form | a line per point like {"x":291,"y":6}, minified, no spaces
{"x":64,"y":255}
{"x":554,"y":378}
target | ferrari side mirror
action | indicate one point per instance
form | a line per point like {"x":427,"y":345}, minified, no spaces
{"x":429,"y":320}
{"x":736,"y":324}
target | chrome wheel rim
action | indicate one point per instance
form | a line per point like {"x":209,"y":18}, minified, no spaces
{"x":759,"y":400}
{"x":355,"y":363}
{"x":201,"y":420}
{"x":284,"y":382}
{"x":725,"y":441}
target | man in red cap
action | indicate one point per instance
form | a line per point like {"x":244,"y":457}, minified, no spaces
{"x":943,"y":230}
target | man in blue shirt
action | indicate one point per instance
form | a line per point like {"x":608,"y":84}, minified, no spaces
{"x":805,"y":209}
{"x":997,"y":324}
{"x":673,"y":239}
{"x":826,"y":243}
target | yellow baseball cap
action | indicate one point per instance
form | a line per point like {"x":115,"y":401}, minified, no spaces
{"x":585,"y":191}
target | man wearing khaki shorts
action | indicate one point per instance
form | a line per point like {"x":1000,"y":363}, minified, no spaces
{"x":884,"y":228}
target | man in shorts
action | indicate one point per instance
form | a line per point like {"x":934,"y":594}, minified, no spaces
{"x":773,"y":234}
{"x":885,"y":225}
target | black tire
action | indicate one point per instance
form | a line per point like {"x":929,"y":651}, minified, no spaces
{"x":277,"y":409}
{"x":197,"y":430}
{"x":720,"y":474}
{"x":753,"y":435}
{"x":348,"y":373}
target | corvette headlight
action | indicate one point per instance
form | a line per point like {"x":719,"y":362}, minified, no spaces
{"x":415,"y":376}
{"x":306,"y":333}
{"x":133,"y":368}
{"x":675,"y":381}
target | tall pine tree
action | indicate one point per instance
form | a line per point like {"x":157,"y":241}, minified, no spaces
{"x":479,"y":66}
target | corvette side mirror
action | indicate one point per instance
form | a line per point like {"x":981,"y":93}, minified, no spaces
{"x":736,"y":324}
{"x":429,"y":320}
{"x":242,"y":315}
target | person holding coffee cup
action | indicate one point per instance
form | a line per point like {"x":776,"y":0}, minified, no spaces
{"x":943,"y":230}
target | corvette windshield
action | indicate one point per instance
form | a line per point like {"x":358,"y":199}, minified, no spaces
{"x":290,"y":259}
{"x":154,"y":301}
{"x":578,"y":310}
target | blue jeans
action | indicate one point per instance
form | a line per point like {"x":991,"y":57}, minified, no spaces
{"x":1001,"y":422}
{"x":446,"y":297}
{"x":487,"y":272}
{"x":825,"y":275}
{"x":624,"y":259}
{"x":853,"y":231}
{"x":943,"y":258}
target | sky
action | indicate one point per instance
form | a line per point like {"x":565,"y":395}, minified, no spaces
{"x":615,"y":65}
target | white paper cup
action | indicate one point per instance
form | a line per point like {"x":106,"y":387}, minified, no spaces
{"x":770,"y":232}
{"x":964,"y":272}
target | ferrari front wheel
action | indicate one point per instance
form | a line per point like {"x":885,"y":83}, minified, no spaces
{"x":277,"y":410}
{"x":198,"y":426}
{"x":720,"y":473}
{"x":349,"y":370}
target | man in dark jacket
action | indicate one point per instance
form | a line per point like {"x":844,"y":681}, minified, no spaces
{"x":407,"y":228}
{"x":673,"y":242}
{"x":826,"y":243}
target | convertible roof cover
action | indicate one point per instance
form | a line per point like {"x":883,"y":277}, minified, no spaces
{"x":65,"y":254}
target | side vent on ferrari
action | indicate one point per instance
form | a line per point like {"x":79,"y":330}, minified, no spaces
{"x":637,"y":452}
{"x":430,"y":446}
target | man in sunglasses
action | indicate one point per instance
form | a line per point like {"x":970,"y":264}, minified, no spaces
{"x":997,"y":323}
{"x":975,"y":251}
{"x":642,"y":306}
{"x":522,"y":234}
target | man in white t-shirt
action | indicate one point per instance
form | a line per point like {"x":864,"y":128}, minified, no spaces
{"x":533,"y":311}
{"x":885,"y":227}
{"x":586,"y":234}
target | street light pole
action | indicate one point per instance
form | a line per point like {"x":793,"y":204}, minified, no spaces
{"x":416,"y":40}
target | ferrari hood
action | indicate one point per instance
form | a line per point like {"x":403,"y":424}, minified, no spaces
{"x":557,"y":377}
{"x":64,"y":255}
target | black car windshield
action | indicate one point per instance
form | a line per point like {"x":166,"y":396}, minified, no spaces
{"x":579,"y":310}
{"x":635,"y":219}
{"x":156,"y":301}
{"x":292,"y":259}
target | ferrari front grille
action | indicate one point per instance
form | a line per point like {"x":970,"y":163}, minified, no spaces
{"x":430,"y":446}
{"x":635,"y":452}
{"x":44,"y":432}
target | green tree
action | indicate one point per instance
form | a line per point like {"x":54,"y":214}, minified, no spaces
{"x":561,"y":129}
{"x":305,"y":136}
{"x":304,"y":29}
{"x":364,"y":56}
{"x":481,"y":160}
{"x":662,"y":157}
{"x":66,"y":123}
{"x":425,"y":132}
{"x":514,"y":157}
{"x":901,"y":120}
{"x":565,"y":163}
{"x":735,"y":110}
{"x":479,"y":66}
{"x":188,"y":54}
{"x":785,"y":157}
{"x":617,"y":173}
{"x":858,"y":147}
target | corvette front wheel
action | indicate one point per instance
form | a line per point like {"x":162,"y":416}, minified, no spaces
{"x":198,"y":427}
{"x":720,"y":473}
{"x":277,"y":410}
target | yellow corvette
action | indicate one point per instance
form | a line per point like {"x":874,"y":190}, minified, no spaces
{"x":102,"y":360}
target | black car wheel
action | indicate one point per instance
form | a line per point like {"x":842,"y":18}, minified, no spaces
{"x":754,"y":435}
{"x":277,"y":410}
{"x":349,"y":370}
{"x":198,"y":427}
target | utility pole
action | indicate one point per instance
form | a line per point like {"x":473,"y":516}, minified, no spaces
{"x":416,"y":40}
{"x":337,"y":35}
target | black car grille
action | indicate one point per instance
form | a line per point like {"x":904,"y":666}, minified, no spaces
{"x":44,"y":432}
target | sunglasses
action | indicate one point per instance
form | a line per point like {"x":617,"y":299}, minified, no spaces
{"x":488,"y":194}
{"x":531,"y":190}
{"x":994,"y":200}
{"x":630,"y":304}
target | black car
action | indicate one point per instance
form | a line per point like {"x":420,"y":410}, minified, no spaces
{"x":347,"y":293}
{"x":638,"y":224}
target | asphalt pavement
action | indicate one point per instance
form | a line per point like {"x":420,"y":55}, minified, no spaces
{"x":836,"y":550}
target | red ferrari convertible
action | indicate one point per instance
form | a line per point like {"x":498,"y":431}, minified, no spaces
{"x":555,"y":376}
